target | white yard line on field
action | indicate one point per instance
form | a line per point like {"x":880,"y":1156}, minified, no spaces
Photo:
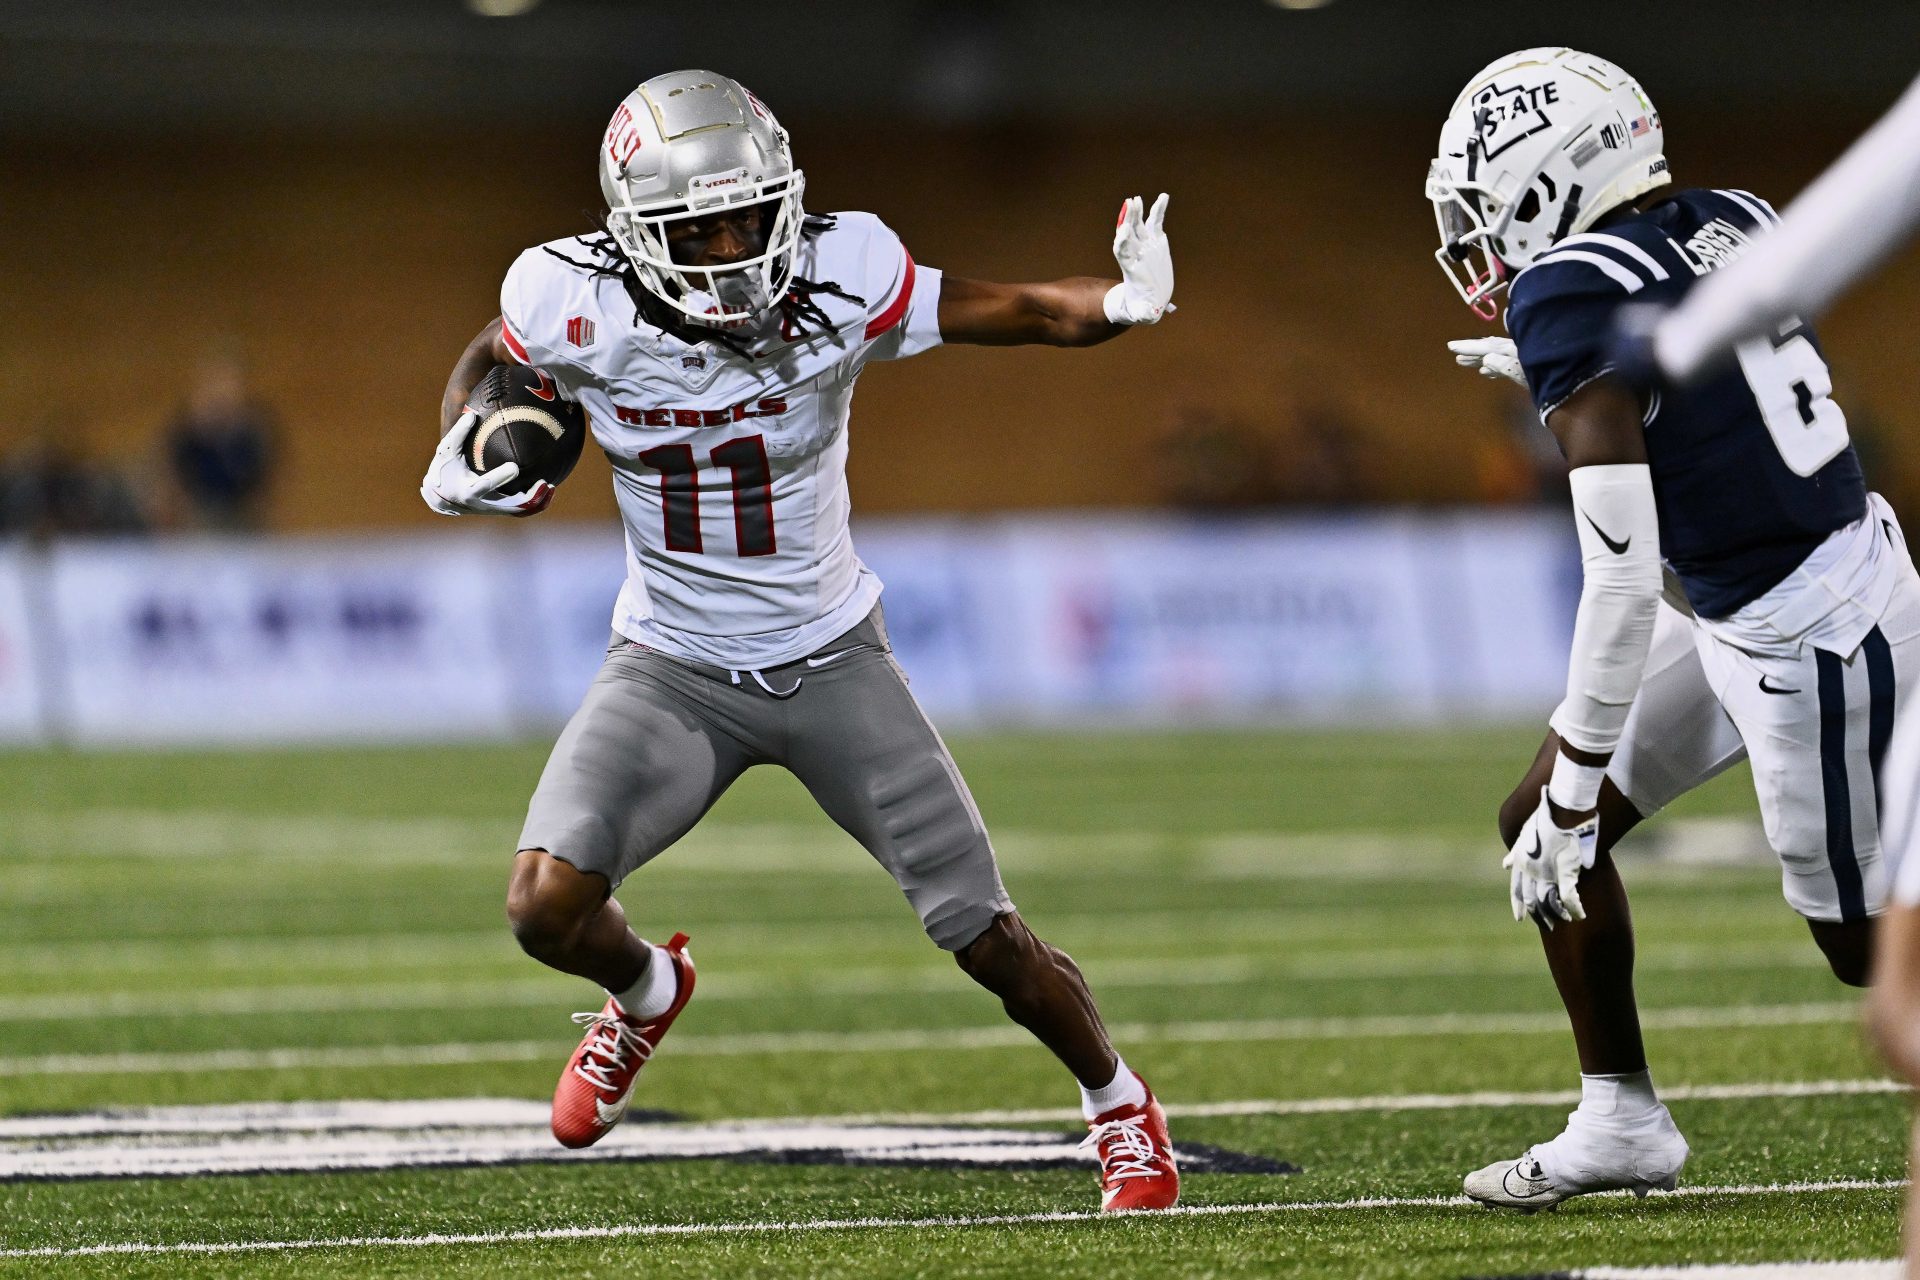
{"x":555,"y":991}
{"x":807,"y":848}
{"x":1217,"y":970}
{"x":640,"y":1229}
{"x":954,"y":1038}
{"x":479,"y":1114}
{"x":1866,"y":1269}
{"x":417,"y":952}
{"x":1370,"y":1102}
{"x":801,"y":848}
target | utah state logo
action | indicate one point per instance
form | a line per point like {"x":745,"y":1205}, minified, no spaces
{"x":1507,"y":115}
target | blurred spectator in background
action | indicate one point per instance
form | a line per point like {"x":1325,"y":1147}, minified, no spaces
{"x":219,"y":449}
{"x":48,"y":489}
{"x":1209,"y":462}
{"x":1321,"y":461}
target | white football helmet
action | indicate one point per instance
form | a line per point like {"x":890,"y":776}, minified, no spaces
{"x":1536,"y":148}
{"x":690,"y":143}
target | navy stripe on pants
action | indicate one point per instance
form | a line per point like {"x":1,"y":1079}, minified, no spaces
{"x":1833,"y":776}
{"x":1880,"y":704}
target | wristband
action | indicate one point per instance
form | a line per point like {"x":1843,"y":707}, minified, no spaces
{"x":1113,"y":305}
{"x":1574,"y":785}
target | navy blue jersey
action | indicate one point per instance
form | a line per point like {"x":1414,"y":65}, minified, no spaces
{"x":1751,"y":466}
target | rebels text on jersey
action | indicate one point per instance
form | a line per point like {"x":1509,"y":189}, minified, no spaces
{"x":730,"y":472}
{"x":1752,"y":468}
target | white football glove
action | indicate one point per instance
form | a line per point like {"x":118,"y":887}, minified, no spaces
{"x":454,"y":488}
{"x":1546,"y":862}
{"x":1492,"y":357}
{"x":1145,"y":291}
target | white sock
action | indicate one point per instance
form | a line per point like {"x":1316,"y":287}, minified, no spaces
{"x":1618,"y":1100}
{"x":1124,"y":1090}
{"x":653,"y":994}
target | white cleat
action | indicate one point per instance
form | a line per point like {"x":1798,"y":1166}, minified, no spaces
{"x":1586,"y":1158}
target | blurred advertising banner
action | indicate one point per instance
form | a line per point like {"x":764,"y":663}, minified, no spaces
{"x":1160,"y":620}
{"x":1057,"y":619}
{"x":229,"y":641}
{"x":568,"y":578}
{"x":22,"y":670}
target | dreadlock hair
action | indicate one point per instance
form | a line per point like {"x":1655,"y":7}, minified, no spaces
{"x":797,"y":309}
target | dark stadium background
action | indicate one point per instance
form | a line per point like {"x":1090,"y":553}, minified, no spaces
{"x":334,"y":189}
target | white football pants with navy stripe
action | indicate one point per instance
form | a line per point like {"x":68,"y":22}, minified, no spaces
{"x":1824,"y":731}
{"x":1900,"y":809}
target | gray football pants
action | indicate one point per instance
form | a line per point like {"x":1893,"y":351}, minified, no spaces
{"x":658,"y":739}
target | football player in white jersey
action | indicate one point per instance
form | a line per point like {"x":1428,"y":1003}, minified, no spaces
{"x":1744,"y":594}
{"x":713,"y":332}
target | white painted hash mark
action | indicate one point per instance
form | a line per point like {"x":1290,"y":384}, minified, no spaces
{"x":628,"y":1230}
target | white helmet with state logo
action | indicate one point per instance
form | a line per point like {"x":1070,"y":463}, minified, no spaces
{"x":691,"y":144}
{"x":1536,"y":148}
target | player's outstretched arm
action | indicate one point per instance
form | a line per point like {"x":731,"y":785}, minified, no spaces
{"x":453,"y":488}
{"x":1076,"y":312}
{"x":1599,"y":430}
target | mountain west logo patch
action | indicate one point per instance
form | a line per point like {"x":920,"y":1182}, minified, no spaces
{"x":1507,"y":115}
{"x":580,"y":331}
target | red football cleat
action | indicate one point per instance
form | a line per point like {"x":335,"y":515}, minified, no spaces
{"x":1137,"y":1169}
{"x":597,"y":1085}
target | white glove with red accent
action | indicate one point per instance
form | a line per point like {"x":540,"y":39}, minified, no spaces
{"x":454,"y":488}
{"x":1491,"y":357}
{"x":1145,"y":291}
{"x":1546,"y":862}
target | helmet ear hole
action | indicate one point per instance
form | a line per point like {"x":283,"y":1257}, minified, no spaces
{"x":1529,"y":206}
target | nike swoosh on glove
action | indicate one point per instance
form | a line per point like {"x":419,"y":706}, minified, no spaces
{"x":1490,"y":357}
{"x":1145,"y":291}
{"x":1546,"y":862}
{"x":453,"y":488}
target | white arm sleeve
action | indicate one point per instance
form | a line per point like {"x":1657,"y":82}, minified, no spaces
{"x":1851,"y":218}
{"x":1620,"y":553}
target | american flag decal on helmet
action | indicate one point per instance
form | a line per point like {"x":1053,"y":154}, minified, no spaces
{"x":580,"y":331}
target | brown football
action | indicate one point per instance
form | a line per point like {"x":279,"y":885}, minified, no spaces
{"x":524,"y":419}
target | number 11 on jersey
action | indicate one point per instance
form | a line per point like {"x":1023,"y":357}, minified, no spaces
{"x":751,"y":486}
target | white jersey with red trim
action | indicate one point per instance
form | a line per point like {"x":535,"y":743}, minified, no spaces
{"x":731,"y":473}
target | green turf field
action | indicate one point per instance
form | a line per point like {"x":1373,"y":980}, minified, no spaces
{"x":1301,"y":939}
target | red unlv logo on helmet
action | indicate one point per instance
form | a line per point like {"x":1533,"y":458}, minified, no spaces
{"x":623,"y":138}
